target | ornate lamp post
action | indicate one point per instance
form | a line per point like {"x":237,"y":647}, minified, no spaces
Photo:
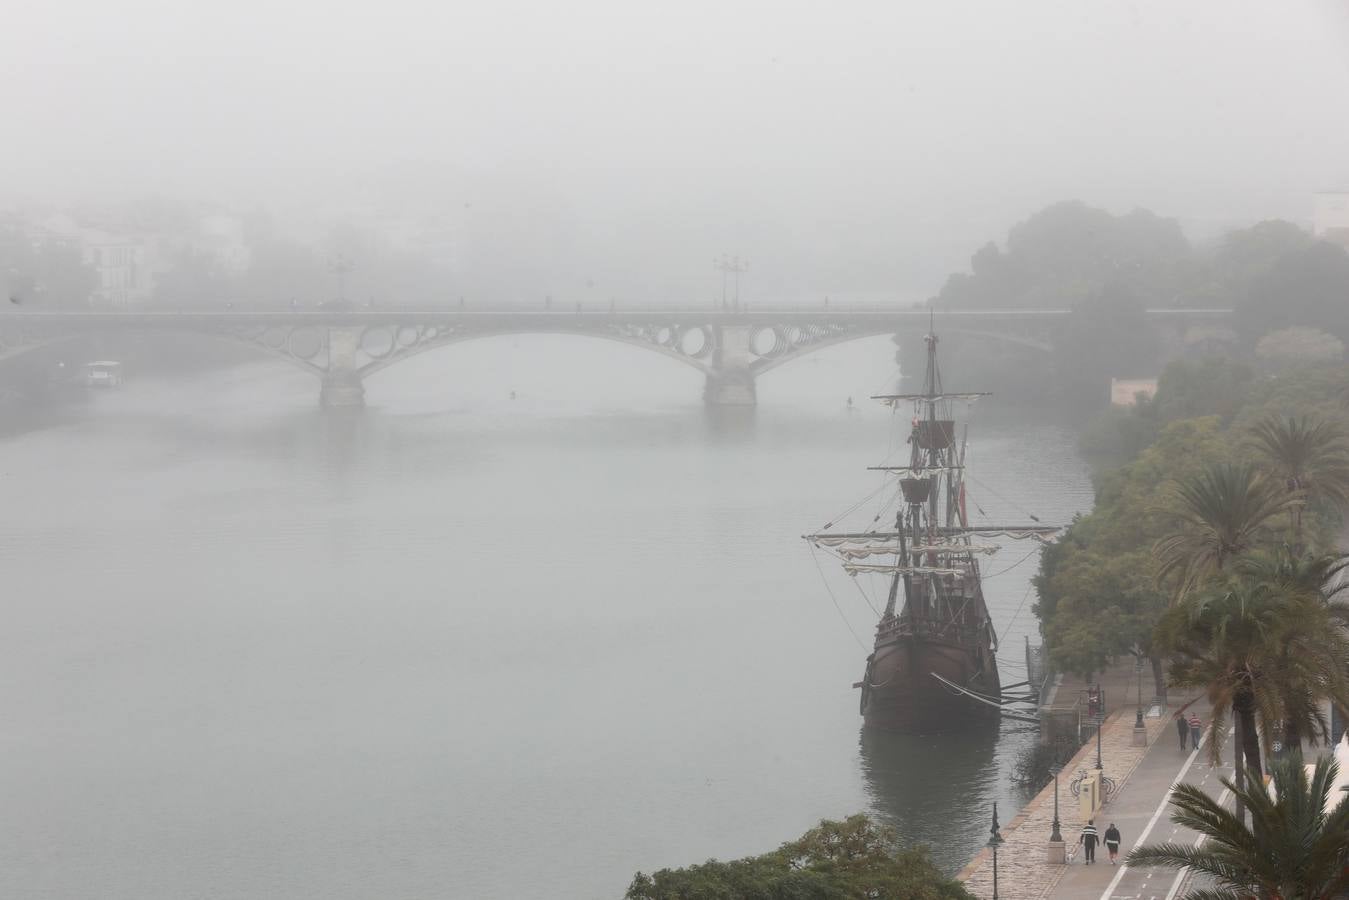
{"x":994,"y":839}
{"x":1140,"y":731}
{"x":1100,"y":721}
{"x":1056,"y":852}
{"x":1138,"y":667}
{"x":1056,"y":835}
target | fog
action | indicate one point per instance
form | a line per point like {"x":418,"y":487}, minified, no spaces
{"x":343,"y":559}
{"x":858,"y":147}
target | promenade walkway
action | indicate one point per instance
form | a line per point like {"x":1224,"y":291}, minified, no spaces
{"x":1142,"y":813}
{"x":1065,"y":696}
{"x":1143,"y":776}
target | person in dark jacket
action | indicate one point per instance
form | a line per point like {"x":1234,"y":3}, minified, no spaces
{"x":1183,"y":729}
{"x":1088,"y":841}
{"x":1112,"y":842}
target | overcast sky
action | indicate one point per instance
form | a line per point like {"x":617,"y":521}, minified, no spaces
{"x":838,"y":145}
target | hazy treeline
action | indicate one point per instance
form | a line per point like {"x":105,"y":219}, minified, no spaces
{"x":1109,"y":269}
{"x":1099,"y":595}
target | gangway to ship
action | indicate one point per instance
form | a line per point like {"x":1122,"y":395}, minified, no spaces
{"x":999,"y":703}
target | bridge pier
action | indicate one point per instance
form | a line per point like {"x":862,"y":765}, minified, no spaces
{"x":342,"y":380}
{"x":734,"y":387}
{"x":731,"y":380}
{"x":341,"y":389}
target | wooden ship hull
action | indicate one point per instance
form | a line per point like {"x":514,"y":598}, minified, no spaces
{"x":899,"y":692}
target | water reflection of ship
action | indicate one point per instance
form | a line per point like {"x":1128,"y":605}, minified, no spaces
{"x":933,"y":789}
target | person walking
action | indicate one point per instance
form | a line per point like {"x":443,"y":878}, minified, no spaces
{"x":1088,"y":841}
{"x":1183,"y":729}
{"x":1112,"y":842}
{"x":1195,"y":728}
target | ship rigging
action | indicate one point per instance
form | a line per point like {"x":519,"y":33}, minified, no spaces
{"x":934,"y":659}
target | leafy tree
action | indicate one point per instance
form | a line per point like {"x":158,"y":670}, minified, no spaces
{"x":1313,"y":580}
{"x":1245,"y":255}
{"x":1298,"y":345}
{"x":1097,"y":592}
{"x":1310,"y":456}
{"x":1217,"y":639}
{"x":1106,"y":268}
{"x":281,"y":271}
{"x":854,"y":858}
{"x":43,"y":273}
{"x":1306,"y":286}
{"x":195,"y":277}
{"x":1213,"y":386}
{"x":1105,"y":336}
{"x":1216,"y":516}
{"x":1293,"y":848}
{"x":1264,"y":650}
{"x":1186,"y":389}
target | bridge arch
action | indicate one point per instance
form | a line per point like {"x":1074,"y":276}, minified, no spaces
{"x":768,"y":362}
{"x":302,"y":353}
{"x":410,"y":341}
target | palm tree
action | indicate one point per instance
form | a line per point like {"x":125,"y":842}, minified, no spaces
{"x":1219,"y":639}
{"x":1217,"y":514}
{"x":1294,"y":849}
{"x":1267,"y":654}
{"x":1310,"y":456}
{"x":1316,"y":581}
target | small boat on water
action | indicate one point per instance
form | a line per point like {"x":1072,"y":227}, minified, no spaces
{"x":934,"y":663}
{"x":104,"y":373}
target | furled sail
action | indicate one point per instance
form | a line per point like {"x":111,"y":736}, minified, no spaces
{"x":1042,"y":533}
{"x":859,"y":568}
{"x":893,"y":400}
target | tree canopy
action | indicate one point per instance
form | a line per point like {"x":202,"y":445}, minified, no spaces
{"x":1099,"y":591}
{"x":854,"y":858}
{"x":1292,"y":848}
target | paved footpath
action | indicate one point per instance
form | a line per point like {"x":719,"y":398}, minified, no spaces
{"x":1024,"y":872}
{"x":1142,"y":813}
{"x":1139,"y":809}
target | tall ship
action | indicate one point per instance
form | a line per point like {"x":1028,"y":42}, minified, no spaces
{"x":934,"y":663}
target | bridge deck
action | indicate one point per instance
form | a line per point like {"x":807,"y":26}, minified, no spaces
{"x":784,"y":315}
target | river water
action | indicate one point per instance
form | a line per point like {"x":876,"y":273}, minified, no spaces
{"x":460,"y":645}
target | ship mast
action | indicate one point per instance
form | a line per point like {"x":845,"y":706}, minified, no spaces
{"x":932,"y":535}
{"x":919,"y":490}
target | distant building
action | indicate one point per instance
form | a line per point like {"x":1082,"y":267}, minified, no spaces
{"x":1126,"y":391}
{"x":1330,"y":217}
{"x":221,"y":237}
{"x":123,"y":264}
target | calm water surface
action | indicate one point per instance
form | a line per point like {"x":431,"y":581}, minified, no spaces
{"x":459,"y":645}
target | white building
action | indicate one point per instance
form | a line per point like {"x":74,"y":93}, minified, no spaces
{"x":125,"y":269}
{"x":1330,"y":216}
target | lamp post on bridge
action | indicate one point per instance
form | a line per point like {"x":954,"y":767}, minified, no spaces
{"x":730,"y":265}
{"x":341,"y":268}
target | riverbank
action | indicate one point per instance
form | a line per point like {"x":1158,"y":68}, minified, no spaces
{"x":1024,"y":870}
{"x":1063,"y":707}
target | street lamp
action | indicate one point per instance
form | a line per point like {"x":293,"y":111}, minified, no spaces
{"x":1138,"y":667}
{"x":994,"y":839}
{"x":1100,"y":722}
{"x":1056,"y":835}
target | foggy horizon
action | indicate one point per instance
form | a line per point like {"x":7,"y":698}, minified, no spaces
{"x":869,"y":150}
{"x":508,"y":449}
